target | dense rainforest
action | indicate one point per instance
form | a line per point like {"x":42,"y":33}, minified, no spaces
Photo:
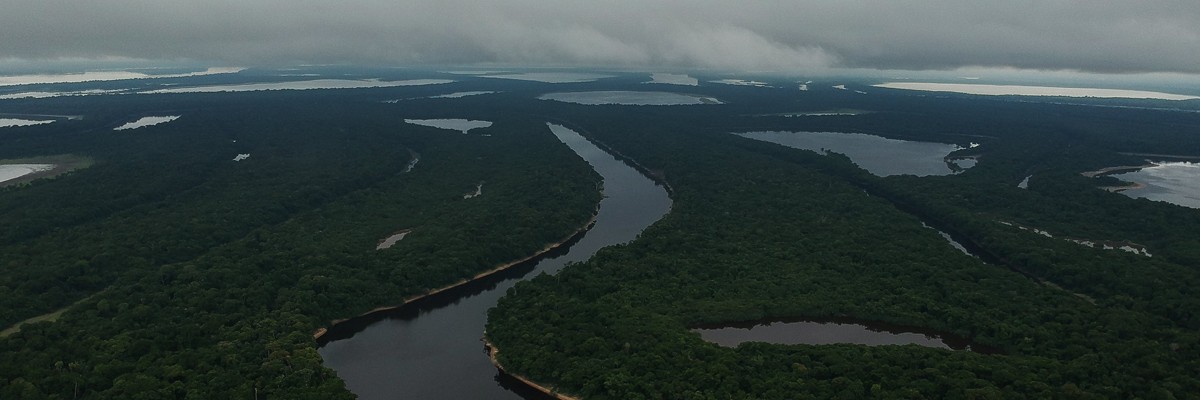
{"x":180,"y":273}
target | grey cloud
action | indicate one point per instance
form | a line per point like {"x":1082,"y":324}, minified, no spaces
{"x":1098,"y":36}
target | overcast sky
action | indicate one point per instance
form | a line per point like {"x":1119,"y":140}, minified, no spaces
{"x":1091,"y":35}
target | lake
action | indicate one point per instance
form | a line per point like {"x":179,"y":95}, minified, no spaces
{"x":456,"y":95}
{"x":673,"y":79}
{"x":831,"y":331}
{"x":1172,"y":182}
{"x":1018,"y":90}
{"x":879,"y":155}
{"x":146,"y":121}
{"x":742,"y":82}
{"x":552,"y":77}
{"x":301,"y":85}
{"x":431,"y":348}
{"x":9,"y":172}
{"x":629,"y":98}
{"x":7,"y":122}
{"x":454,"y":124}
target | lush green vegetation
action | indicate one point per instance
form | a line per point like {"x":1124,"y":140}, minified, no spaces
{"x":184,"y":274}
{"x":210,"y":275}
{"x":760,"y":231}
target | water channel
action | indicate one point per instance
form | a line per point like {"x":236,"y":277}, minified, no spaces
{"x":432,"y":349}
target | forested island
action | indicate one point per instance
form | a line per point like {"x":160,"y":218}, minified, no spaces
{"x":164,"y":264}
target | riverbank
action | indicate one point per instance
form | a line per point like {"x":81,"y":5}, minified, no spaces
{"x":320,"y":332}
{"x":493,"y":351}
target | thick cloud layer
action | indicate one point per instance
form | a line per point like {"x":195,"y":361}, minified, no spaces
{"x":1096,"y":35}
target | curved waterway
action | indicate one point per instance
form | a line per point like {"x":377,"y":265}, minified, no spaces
{"x":431,"y":348}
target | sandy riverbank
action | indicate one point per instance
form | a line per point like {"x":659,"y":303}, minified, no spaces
{"x":493,"y":351}
{"x":320,"y":332}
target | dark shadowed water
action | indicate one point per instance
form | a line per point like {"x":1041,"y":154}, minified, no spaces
{"x":431,"y":349}
{"x":832,"y":331}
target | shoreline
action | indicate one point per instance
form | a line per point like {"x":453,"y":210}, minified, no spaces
{"x":1115,"y":170}
{"x":1118,"y":189}
{"x":320,"y":332}
{"x":492,"y":350}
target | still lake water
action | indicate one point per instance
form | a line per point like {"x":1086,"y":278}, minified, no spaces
{"x":879,"y":155}
{"x":673,"y":79}
{"x":552,"y":77}
{"x":301,"y":85}
{"x":1172,"y":182}
{"x":629,"y":98}
{"x":7,"y":122}
{"x":1018,"y":90}
{"x":13,"y":171}
{"x":454,"y":124}
{"x":833,"y":331}
{"x":146,"y":121}
{"x":432,"y":349}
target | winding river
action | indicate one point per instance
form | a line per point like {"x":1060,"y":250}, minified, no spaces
{"x":431,"y":348}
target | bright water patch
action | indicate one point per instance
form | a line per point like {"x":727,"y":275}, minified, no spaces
{"x":7,"y":122}
{"x":553,"y":77}
{"x":456,"y":95}
{"x":146,"y":121}
{"x":630,"y":98}
{"x":390,"y":241}
{"x":1173,"y":182}
{"x":824,"y":333}
{"x":454,"y":124}
{"x":741,"y":82}
{"x":9,"y":172}
{"x":879,"y":155}
{"x":1018,"y":90}
{"x":673,"y":79}
{"x":302,"y":85}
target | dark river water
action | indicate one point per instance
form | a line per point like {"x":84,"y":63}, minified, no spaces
{"x":431,"y":349}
